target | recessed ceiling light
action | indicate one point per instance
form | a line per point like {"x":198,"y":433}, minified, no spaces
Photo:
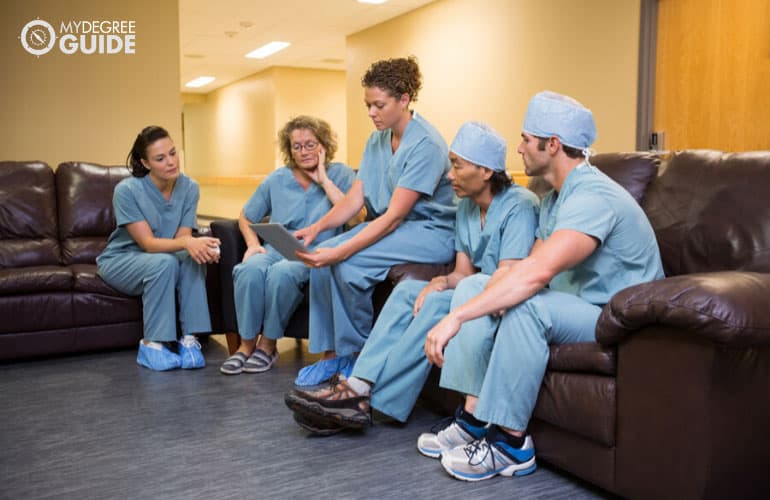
{"x":200,"y":81}
{"x":375,"y":2}
{"x":267,"y":50}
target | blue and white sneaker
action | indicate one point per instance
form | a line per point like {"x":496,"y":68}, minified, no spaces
{"x":190,"y":353}
{"x":456,"y":432}
{"x":320,"y":371}
{"x":158,"y":357}
{"x":487,"y":457}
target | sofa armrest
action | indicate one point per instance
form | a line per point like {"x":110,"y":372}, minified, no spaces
{"x":728,"y":308}
{"x":231,"y":252}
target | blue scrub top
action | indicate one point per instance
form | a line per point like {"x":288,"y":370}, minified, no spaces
{"x":138,"y":199}
{"x":509,"y":228}
{"x":420,"y":164}
{"x":594,"y":204}
{"x":282,"y":198}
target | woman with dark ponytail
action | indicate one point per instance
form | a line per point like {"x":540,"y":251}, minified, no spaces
{"x":152,"y":252}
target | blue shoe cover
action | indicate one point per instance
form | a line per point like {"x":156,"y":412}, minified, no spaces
{"x":346,"y":365}
{"x":190,"y":353}
{"x":157,"y":359}
{"x":317,"y":373}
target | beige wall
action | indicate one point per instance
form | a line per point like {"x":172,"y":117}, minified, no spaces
{"x":231,"y":133}
{"x":483,"y":60}
{"x":59,"y":107}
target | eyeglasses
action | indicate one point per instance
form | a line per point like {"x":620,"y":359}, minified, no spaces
{"x":308,"y":146}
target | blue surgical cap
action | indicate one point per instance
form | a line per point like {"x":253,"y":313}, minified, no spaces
{"x":481,"y":145}
{"x":551,"y":114}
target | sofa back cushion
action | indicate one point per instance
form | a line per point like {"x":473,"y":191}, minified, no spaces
{"x":710,"y":211}
{"x":28,"y":233}
{"x":86,"y":217}
{"x":634,"y":171}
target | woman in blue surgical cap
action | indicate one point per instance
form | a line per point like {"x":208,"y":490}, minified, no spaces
{"x":402,"y":183}
{"x":495,"y":227}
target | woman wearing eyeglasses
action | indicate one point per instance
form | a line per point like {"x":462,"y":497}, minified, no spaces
{"x":267,"y":287}
{"x":410,"y":204}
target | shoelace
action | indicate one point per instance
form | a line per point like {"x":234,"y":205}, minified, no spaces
{"x":477,"y":446}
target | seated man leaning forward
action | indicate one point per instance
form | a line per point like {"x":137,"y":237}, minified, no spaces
{"x":495,"y":225}
{"x":593,"y":240}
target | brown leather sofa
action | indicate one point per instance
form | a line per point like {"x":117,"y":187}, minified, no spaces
{"x":673,"y":401}
{"x":52,"y":227}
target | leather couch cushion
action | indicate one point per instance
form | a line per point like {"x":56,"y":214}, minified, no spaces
{"x":36,"y":312}
{"x":86,"y":217}
{"x":710,"y":212}
{"x":86,"y":280}
{"x":37,"y":279}
{"x":98,"y":309}
{"x":28,"y":234}
{"x":580,"y":403}
{"x":584,"y":357}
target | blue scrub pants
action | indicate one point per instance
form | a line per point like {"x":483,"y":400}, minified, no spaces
{"x":393,"y":358}
{"x":267,"y":289}
{"x":341,"y":309}
{"x":156,"y":277}
{"x":502,"y":362}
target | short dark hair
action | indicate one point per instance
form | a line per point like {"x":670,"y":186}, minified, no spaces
{"x":397,"y":76}
{"x":320,"y":129}
{"x":499,"y":182}
{"x":568,"y":150}
{"x":138,"y":152}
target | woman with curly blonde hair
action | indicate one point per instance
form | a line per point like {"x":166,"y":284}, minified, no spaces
{"x":267,"y":287}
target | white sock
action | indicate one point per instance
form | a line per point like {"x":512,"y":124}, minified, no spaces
{"x":362,"y":387}
{"x":189,"y":340}
{"x":154,"y":345}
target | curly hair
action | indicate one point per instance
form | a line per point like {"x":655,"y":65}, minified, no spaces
{"x":397,"y":76}
{"x":138,"y":152}
{"x":320,"y":129}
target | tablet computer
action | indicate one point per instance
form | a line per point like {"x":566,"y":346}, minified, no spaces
{"x":280,"y":239}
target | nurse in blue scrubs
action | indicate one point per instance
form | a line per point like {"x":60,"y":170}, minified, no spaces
{"x":268,"y":288}
{"x":495,"y":227}
{"x":402,"y":183}
{"x":153,"y":253}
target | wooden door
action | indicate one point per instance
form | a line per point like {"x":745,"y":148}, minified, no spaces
{"x":712,"y":80}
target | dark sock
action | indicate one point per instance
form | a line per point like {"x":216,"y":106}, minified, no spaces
{"x":499,"y":435}
{"x":469,"y":418}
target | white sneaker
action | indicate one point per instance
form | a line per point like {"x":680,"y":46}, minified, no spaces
{"x":455,"y":434}
{"x":487,"y":457}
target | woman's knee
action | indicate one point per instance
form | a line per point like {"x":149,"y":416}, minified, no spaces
{"x":162,"y":263}
{"x":285,"y":274}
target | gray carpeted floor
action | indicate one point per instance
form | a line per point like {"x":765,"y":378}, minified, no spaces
{"x":98,"y":426}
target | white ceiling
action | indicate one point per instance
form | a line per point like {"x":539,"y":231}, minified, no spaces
{"x":216,"y":34}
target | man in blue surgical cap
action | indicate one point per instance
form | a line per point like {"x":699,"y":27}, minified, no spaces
{"x":592,"y":241}
{"x":495,"y":226}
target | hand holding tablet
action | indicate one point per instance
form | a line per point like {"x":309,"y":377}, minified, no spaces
{"x":280,"y":239}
